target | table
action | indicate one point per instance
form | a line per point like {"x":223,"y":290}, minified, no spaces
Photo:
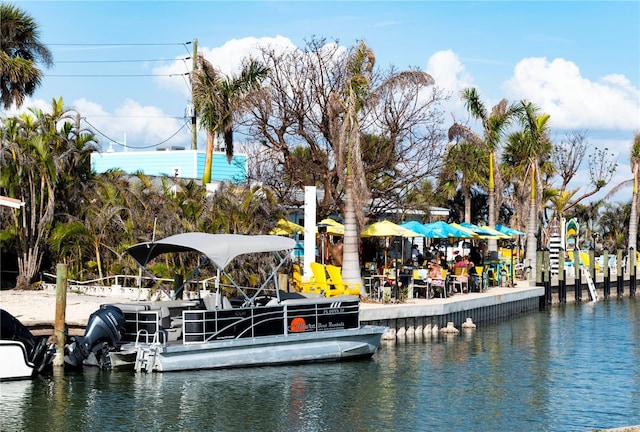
{"x":499,"y":270}
{"x":374,"y":284}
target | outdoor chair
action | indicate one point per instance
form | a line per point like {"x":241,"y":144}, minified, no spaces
{"x":482,"y":278}
{"x":420,"y":283}
{"x":460,"y":279}
{"x":341,"y":287}
{"x":321,"y":283}
{"x":299,"y":284}
{"x":439,"y":286}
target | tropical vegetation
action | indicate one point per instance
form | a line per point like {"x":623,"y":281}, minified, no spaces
{"x":20,"y":52}
{"x":373,"y":141}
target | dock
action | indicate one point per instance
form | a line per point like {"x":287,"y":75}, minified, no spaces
{"x":415,"y":315}
{"x":408,"y":316}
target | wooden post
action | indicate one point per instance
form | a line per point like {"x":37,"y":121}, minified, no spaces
{"x":546,"y":276}
{"x":539,"y":275}
{"x":61,"y":310}
{"x":562,"y":274}
{"x":632,"y":272}
{"x":577,"y":277}
{"x":194,"y":67}
{"x":619,"y":273}
{"x":607,"y":275}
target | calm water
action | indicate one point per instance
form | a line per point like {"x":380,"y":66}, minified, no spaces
{"x":572,"y":368}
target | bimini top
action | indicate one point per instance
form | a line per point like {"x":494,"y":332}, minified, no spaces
{"x":219,"y":248}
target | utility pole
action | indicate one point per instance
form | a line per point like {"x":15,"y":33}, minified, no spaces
{"x":194,"y":63}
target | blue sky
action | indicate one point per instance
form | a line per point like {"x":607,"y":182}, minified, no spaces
{"x":578,"y":61}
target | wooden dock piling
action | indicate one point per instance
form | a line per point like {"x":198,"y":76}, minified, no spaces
{"x":61,"y":311}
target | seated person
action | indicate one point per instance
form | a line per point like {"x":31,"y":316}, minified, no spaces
{"x":461,"y":276}
{"x":472,"y":272}
{"x":459,"y":262}
{"x":434,"y":277}
{"x":435,"y":271}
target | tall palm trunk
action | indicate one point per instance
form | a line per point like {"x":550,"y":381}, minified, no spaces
{"x":467,"y":204}
{"x":493,"y":243}
{"x":350,"y":253}
{"x":532,"y":227}
{"x":206,"y":176}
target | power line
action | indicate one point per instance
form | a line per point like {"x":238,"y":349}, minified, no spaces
{"x":119,"y":44}
{"x":137,"y":148}
{"x":138,"y":116}
{"x":115,"y":75}
{"x":121,"y":61}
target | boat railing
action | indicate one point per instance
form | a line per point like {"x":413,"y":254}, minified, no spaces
{"x":206,"y":325}
{"x":151,"y":338}
{"x":143,"y":323}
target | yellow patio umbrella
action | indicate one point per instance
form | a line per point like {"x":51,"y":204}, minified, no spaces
{"x":499,"y":234}
{"x":333,"y":227}
{"x":387,"y":229}
{"x":286,"y":227}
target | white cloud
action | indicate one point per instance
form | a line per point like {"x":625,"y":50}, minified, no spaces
{"x":226,"y":58}
{"x":40,"y":104}
{"x":451,"y":76}
{"x":573,"y":101}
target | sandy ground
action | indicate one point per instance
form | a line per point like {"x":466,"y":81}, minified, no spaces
{"x":39,"y":307}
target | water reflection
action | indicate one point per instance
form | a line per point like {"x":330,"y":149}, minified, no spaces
{"x":571,"y":368}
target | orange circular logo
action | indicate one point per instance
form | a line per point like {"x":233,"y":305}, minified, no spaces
{"x":298,"y":325}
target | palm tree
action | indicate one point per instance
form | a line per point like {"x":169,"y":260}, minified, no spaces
{"x":218,"y":99}
{"x":357,"y":94}
{"x":635,"y":169}
{"x":493,"y":126}
{"x":464,"y":166}
{"x":535,"y":147}
{"x":20,"y":51}
{"x":39,"y":152}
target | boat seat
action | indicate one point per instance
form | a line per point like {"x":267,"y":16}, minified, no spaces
{"x":165,"y":318}
{"x":211,"y":302}
{"x":128,"y":307}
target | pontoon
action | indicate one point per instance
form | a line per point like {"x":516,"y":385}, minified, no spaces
{"x":264,"y":325}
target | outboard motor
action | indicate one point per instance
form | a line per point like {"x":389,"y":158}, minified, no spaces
{"x":40,"y":350}
{"x":104,"y":331}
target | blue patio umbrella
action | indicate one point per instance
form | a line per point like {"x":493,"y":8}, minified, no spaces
{"x":485,"y":231}
{"x":443,"y":230}
{"x":415,"y":226}
{"x":509,"y":231}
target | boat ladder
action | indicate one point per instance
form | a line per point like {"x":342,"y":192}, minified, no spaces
{"x":592,"y":287}
{"x":146,"y":358}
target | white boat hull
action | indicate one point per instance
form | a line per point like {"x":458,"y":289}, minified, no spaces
{"x":13,"y":361}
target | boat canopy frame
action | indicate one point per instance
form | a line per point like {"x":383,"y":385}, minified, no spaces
{"x":220,"y":250}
